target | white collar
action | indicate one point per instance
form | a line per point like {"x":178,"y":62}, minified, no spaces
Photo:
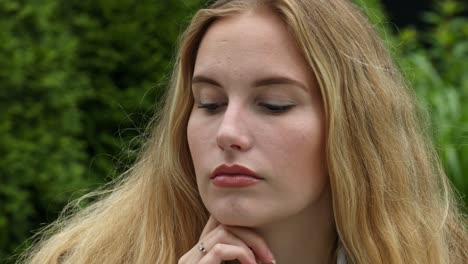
{"x":341,"y":258}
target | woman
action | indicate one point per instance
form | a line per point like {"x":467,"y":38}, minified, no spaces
{"x":288,"y":136}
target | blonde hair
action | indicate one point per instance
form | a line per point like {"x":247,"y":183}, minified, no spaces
{"x":391,"y":198}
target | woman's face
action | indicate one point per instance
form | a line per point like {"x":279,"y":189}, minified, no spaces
{"x":257,"y":105}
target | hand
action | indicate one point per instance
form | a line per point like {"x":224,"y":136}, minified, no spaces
{"x":223,"y":243}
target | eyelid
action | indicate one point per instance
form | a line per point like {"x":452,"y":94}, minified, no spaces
{"x":276,"y":108}
{"x":211,"y":108}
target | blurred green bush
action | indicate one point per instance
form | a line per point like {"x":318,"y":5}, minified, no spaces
{"x":435,"y":62}
{"x":80,"y":78}
{"x":78,"y":81}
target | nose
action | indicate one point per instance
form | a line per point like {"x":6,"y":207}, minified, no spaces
{"x":233,"y":132}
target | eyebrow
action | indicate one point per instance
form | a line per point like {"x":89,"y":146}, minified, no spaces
{"x":273,"y":80}
{"x":205,"y":79}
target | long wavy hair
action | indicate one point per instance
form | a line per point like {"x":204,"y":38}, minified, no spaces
{"x":391,"y":199}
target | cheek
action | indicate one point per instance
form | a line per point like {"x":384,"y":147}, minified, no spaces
{"x":301,"y":155}
{"x":302,"y":143}
{"x":190,"y":136}
{"x":199,"y":138}
{"x":310,"y":149}
{"x":193,"y":137}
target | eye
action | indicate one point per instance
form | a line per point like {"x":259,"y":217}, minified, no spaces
{"x":211,"y":107}
{"x":276,"y":108}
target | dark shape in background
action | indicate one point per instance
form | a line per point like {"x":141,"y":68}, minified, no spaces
{"x":404,"y":13}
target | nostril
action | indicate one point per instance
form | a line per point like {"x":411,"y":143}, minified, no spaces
{"x":234,"y":146}
{"x":233,"y":142}
{"x":232,"y":137}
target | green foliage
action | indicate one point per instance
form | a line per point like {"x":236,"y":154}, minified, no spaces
{"x":42,"y":154}
{"x":436,"y":63}
{"x":70,"y":71}
{"x":373,"y":9}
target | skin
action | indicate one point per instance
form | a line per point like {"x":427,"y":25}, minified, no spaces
{"x":275,"y":128}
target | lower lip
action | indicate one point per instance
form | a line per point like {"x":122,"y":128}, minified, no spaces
{"x":234,"y":181}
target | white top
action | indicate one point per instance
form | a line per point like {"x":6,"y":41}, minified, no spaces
{"x":341,"y":258}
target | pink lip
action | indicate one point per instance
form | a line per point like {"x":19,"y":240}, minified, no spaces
{"x":234,"y":176}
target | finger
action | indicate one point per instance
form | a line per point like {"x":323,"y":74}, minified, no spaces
{"x":222,"y":236}
{"x":223,"y":252}
{"x":253,"y":241}
{"x":211,"y":224}
{"x":216,"y":237}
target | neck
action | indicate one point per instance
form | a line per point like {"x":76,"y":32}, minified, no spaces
{"x":310,"y":235}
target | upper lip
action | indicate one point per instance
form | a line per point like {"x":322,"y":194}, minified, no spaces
{"x":233,"y":170}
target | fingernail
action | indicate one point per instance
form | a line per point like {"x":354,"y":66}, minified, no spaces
{"x":270,"y":256}
{"x":271,"y":262}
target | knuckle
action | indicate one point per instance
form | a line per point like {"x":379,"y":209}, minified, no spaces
{"x":246,"y":255}
{"x":218,"y":250}
{"x":183,"y":259}
{"x":221,"y":236}
{"x":222,"y":232}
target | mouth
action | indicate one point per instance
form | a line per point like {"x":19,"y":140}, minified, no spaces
{"x":234,"y":176}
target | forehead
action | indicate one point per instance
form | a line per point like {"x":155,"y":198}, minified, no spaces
{"x":253,"y":42}
{"x":260,"y":25}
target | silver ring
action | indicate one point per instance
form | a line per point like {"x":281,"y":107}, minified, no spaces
{"x":201,"y":248}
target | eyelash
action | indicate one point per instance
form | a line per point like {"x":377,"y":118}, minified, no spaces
{"x":210,"y":107}
{"x":271,"y":108}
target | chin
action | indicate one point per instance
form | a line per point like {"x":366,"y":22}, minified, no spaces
{"x":237,"y":220}
{"x":236,"y":215}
